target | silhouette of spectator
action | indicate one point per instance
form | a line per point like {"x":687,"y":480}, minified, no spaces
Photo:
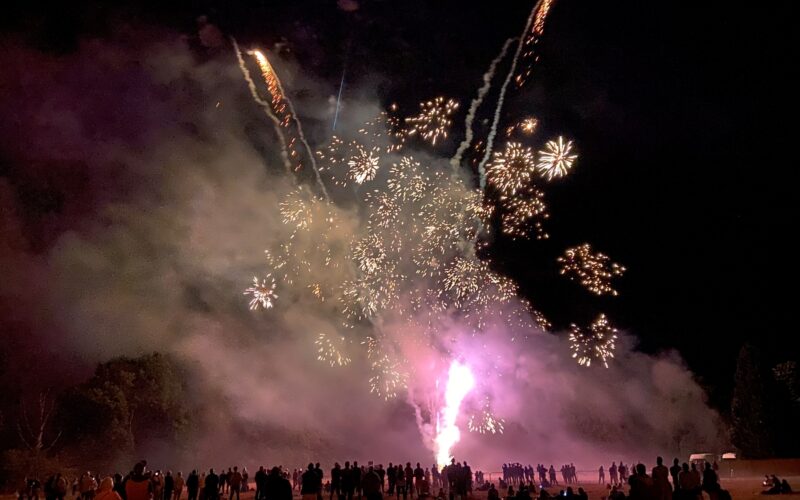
{"x":641,"y":484}
{"x":169,"y":485}
{"x":235,"y":483}
{"x":193,"y":485}
{"x":211,"y":486}
{"x":601,"y":475}
{"x":371,"y":484}
{"x":137,"y":486}
{"x":675,"y":471}
{"x":662,"y":489}
{"x":613,"y":473}
{"x":310,"y":483}
{"x":276,"y":486}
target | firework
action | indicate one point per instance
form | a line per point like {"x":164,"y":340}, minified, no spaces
{"x":280,"y":102}
{"x":433,"y":120}
{"x":593,"y":270}
{"x":298,"y":209}
{"x":459,"y":382}
{"x":485,"y":422}
{"x":263,"y":293}
{"x":406,"y":181}
{"x":387,"y":375}
{"x":329,"y":350}
{"x":512,"y":169}
{"x":369,"y":254}
{"x":364,"y":165}
{"x":531,"y":39}
{"x":555,"y":160}
{"x":526,"y":209}
{"x":598,"y":343}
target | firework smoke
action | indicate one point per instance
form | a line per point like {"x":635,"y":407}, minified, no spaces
{"x":455,"y":161}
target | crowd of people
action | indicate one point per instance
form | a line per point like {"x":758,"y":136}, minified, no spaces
{"x":455,"y":481}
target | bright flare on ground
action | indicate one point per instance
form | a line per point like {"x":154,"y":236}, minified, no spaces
{"x":459,"y":382}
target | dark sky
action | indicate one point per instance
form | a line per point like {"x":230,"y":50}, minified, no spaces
{"x":660,"y":99}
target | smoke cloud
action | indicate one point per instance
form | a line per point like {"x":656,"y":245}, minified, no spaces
{"x":140,"y":188}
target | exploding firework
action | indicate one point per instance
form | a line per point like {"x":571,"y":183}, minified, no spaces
{"x":593,"y":270}
{"x":555,"y":160}
{"x":485,"y":422}
{"x":330,"y":350}
{"x":433,"y":120}
{"x":387,"y":377}
{"x":363,"y":165}
{"x":526,"y":210}
{"x":298,"y":209}
{"x":416,"y":259}
{"x":263,"y":293}
{"x":512,"y":169}
{"x":406,"y":181}
{"x":598,"y":343}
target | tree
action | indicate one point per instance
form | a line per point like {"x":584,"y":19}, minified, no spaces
{"x":127,"y":402}
{"x":753,"y":430}
{"x":35,"y":431}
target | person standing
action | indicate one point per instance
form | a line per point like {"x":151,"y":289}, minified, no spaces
{"x":211,"y":486}
{"x":169,"y":485}
{"x":138,"y":485}
{"x":192,"y":485}
{"x":310,"y":484}
{"x":234,"y":483}
{"x":336,"y":481}
{"x":601,"y":473}
{"x":661,"y":487}
{"x":179,"y":484}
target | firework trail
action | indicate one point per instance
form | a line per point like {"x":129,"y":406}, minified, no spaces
{"x":271,"y":76}
{"x":264,"y":106}
{"x":339,"y":99}
{"x":455,"y":161}
{"x":501,"y":98}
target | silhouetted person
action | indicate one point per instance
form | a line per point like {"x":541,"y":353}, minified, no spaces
{"x":675,"y":471}
{"x":348,"y":487}
{"x":310,"y":484}
{"x":336,"y":480}
{"x":641,"y":484}
{"x":276,"y":486}
{"x":211,"y":487}
{"x":371,"y":484}
{"x":662,"y":489}
{"x":710,"y":482}
{"x":138,"y":486}
{"x":169,"y":485}
{"x":192,"y":485}
{"x":234,"y":483}
{"x":601,"y":475}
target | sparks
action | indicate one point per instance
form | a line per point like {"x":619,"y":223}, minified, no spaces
{"x":593,"y":270}
{"x":263,"y":293}
{"x":460,"y":382}
{"x":555,"y":160}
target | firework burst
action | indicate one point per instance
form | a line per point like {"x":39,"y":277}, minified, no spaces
{"x":598,"y":343}
{"x":512,"y":169}
{"x":433,"y":120}
{"x":262,"y":292}
{"x":330,"y":350}
{"x":593,"y":270}
{"x":363,"y":165}
{"x":555,"y":160}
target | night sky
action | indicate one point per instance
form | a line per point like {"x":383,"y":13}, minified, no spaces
{"x":659,"y":98}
